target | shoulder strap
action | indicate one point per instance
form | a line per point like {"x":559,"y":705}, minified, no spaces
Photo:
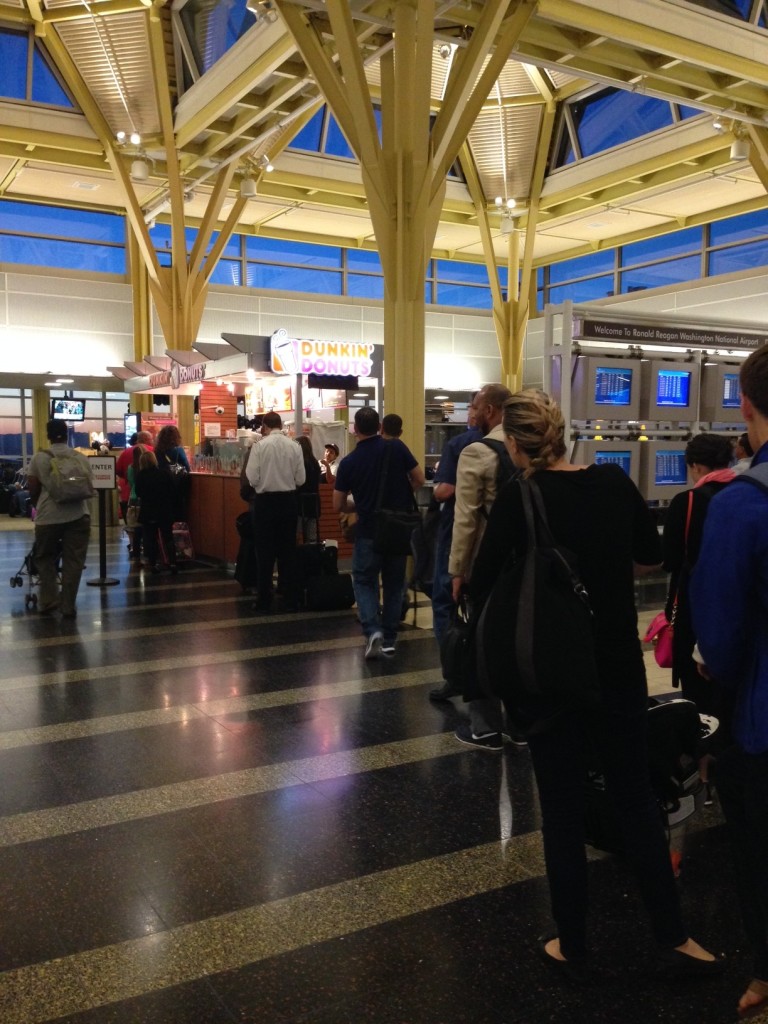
{"x":755,"y":475}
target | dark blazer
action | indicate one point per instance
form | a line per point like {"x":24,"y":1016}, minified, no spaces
{"x":156,"y":491}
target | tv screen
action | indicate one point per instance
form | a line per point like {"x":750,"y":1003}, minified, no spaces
{"x":623,"y":459}
{"x":731,"y":391}
{"x":671,"y":469}
{"x":613,"y":385}
{"x":70,"y":409}
{"x":673,"y":387}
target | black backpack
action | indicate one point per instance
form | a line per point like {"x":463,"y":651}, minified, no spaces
{"x":535,"y":637}
{"x":506,"y":470}
{"x":423,"y":550}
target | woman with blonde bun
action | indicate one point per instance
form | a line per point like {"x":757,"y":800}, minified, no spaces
{"x":597,"y":513}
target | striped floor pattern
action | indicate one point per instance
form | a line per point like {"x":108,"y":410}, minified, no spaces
{"x":208,"y":816}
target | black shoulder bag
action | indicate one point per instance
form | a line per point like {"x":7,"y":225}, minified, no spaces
{"x":392,"y":527}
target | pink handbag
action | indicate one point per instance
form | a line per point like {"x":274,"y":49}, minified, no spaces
{"x":660,"y":633}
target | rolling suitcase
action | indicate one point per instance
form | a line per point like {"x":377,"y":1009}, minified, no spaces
{"x":329,"y":593}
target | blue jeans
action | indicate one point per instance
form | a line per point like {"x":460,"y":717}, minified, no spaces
{"x":367,"y":566}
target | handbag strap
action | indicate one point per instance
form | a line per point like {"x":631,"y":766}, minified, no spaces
{"x":685,"y":550}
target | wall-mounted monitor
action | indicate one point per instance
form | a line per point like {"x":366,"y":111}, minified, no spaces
{"x":605,"y":388}
{"x":625,"y":454}
{"x":720,"y":393}
{"x":663,"y":470}
{"x":70,"y":409}
{"x":670,"y":391}
{"x":132,"y":425}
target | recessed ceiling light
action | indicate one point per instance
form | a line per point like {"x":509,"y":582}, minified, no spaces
{"x":65,"y":380}
{"x":52,"y":384}
{"x":359,"y":394}
{"x":440,"y":398}
{"x":86,"y":186}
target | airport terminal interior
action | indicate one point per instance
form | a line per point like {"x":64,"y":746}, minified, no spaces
{"x":209,"y":817}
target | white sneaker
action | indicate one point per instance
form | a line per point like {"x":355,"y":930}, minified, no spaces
{"x":373,"y":647}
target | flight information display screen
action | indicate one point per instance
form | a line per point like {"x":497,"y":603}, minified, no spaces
{"x":671,"y":469}
{"x":673,"y":388}
{"x":613,"y":385}
{"x":731,"y":391}
{"x":623,"y":459}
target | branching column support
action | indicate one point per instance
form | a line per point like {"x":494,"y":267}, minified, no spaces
{"x":404,"y":175}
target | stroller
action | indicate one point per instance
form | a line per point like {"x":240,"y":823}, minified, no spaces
{"x":28,"y":572}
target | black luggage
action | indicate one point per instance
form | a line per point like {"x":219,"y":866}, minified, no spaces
{"x":315,"y":560}
{"x":329,"y":593}
{"x":246,"y":566}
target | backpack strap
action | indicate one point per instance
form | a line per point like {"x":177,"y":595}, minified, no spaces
{"x":503,"y":459}
{"x":755,"y":475}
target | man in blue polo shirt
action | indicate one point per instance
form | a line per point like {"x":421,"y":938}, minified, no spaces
{"x":360,"y":474}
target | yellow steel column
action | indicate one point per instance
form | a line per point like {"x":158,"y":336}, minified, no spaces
{"x":41,"y":413}
{"x":142,"y":316}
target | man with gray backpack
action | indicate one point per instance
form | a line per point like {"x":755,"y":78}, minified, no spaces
{"x":60,"y":487}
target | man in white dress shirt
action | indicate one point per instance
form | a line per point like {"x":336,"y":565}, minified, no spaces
{"x":275,"y":469}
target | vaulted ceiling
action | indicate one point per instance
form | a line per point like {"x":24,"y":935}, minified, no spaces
{"x":127,"y":65}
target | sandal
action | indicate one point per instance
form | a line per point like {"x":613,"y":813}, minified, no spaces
{"x":760,"y":989}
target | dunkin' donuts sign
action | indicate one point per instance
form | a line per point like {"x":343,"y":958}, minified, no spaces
{"x":325,"y":358}
{"x":177,"y":375}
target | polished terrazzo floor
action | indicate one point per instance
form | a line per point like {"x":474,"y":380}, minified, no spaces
{"x":208,"y":817}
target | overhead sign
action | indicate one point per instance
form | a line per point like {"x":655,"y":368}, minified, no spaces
{"x":102,"y":472}
{"x":661,"y":334}
{"x":177,"y":375}
{"x":325,"y":358}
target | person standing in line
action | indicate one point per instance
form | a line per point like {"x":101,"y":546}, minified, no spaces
{"x":475,"y":493}
{"x":392,"y":426}
{"x":360,"y":474}
{"x":275,"y":470}
{"x":309,"y":493}
{"x":124,"y":460}
{"x":445,"y":493}
{"x":742,"y":452}
{"x":564,"y":741}
{"x":155,"y":491}
{"x":61,"y":528}
{"x":172,"y":459}
{"x":729,"y":606}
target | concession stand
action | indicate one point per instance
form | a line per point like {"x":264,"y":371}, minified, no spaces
{"x":308,"y":382}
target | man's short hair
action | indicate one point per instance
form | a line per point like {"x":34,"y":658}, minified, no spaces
{"x":754,"y":379}
{"x":143,"y":437}
{"x":392,"y":425}
{"x":367,"y":421}
{"x":495,"y":394}
{"x":272,"y":421}
{"x":711,"y":450}
{"x":56,"y":430}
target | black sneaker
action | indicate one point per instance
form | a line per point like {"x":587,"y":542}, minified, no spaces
{"x":486,"y":741}
{"x":373,"y":647}
{"x":388,"y":649}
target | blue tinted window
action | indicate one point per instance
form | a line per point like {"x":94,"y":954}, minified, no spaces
{"x":740,"y":257}
{"x":463,"y":295}
{"x":582,"y":266}
{"x":309,"y":136}
{"x":274,"y":250}
{"x":293,"y":279}
{"x":686,"y":112}
{"x":13,"y":66}
{"x":658,"y":248}
{"x":45,"y":85}
{"x":736,"y":229}
{"x":335,"y":142}
{"x":583,"y":291}
{"x":227,"y":272}
{"x":449,"y":270}
{"x":656,"y":276}
{"x":614,"y":116}
{"x":55,"y":220}
{"x":212,"y":30}
{"x":41,"y":252}
{"x":363,"y":287}
{"x":362,"y":259}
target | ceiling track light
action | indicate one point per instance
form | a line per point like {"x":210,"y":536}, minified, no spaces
{"x":445,"y":50}
{"x":266,"y":164}
{"x":248,"y":188}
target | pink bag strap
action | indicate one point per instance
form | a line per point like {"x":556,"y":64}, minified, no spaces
{"x":685,"y":542}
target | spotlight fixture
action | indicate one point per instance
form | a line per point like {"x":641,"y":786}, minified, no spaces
{"x":120,"y":136}
{"x":498,"y":201}
{"x":445,"y":50}
{"x":189,"y":195}
{"x":247,"y":188}
{"x":266,"y":164}
{"x":740,"y":149}
{"x":717,"y":124}
{"x":139,"y":169}
{"x":135,"y":139}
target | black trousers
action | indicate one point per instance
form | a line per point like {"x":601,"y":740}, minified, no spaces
{"x":275,"y":518}
{"x":615,"y":734}
{"x":742,"y":785}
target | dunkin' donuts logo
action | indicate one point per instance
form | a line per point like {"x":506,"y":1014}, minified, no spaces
{"x":325,"y":358}
{"x":186,"y":374}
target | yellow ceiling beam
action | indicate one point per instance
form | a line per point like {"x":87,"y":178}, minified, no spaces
{"x":758,"y":156}
{"x":263,"y":65}
{"x":58,"y":141}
